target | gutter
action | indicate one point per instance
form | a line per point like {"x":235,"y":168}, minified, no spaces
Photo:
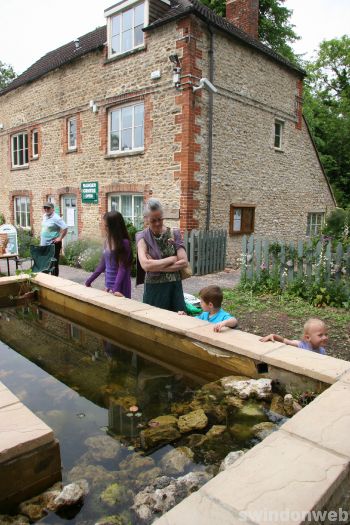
{"x":210,"y":127}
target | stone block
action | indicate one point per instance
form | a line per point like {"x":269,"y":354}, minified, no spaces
{"x":325,"y":421}
{"x":168,"y":320}
{"x":21,"y":431}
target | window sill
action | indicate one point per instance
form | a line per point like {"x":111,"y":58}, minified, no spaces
{"x":233,"y":234}
{"x":73,"y":150}
{"x":124,"y":55}
{"x":20,"y":168}
{"x":279,"y":150}
{"x":34,"y":158}
{"x":124,"y":154}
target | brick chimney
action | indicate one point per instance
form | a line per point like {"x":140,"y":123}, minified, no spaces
{"x":244,"y":14}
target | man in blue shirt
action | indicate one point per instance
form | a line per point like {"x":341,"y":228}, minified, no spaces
{"x":53,"y":230}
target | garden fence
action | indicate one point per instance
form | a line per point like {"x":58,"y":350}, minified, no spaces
{"x":206,"y":250}
{"x":325,"y":260}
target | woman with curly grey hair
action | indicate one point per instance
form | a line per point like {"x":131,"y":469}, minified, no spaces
{"x":161,"y":255}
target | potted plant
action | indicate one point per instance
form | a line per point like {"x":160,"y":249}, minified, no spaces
{"x":28,"y":291}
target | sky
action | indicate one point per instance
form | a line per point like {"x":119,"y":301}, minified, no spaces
{"x":31,"y":28}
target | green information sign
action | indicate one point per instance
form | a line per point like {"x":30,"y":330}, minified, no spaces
{"x":89,"y":192}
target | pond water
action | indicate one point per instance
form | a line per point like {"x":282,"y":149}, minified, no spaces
{"x":97,"y":398}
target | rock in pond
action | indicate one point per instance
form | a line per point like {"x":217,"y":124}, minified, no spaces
{"x":70,"y":495}
{"x":216,"y":431}
{"x":258,"y":388}
{"x":165,"y":492}
{"x":230,"y":459}
{"x":196,"y":420}
{"x":103,"y":447}
{"x":288,"y":404}
{"x":136,"y":462}
{"x":161,"y":434}
{"x":196,"y":440}
{"x":175,"y":461}
{"x":277,"y":405}
{"x":14,"y":520}
{"x":262,"y":430}
{"x":164,"y":420}
{"x":113,"y":520}
{"x":95,"y":474}
{"x":113,"y":494}
{"x":241,"y":432}
{"x":250,"y":411}
{"x":35,"y":508}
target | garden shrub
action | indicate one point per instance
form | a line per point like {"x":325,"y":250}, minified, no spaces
{"x":25,"y":238}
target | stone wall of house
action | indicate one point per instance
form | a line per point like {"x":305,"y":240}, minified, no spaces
{"x":253,"y":90}
{"x":283,"y":185}
{"x":46,"y":104}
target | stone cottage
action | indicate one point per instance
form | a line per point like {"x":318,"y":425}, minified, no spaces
{"x":123,"y":113}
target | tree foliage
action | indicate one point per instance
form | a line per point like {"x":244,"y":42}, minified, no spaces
{"x":7,"y":74}
{"x":275,"y":28}
{"x":327,"y":110}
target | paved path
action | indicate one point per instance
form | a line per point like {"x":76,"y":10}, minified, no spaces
{"x":192,"y":285}
{"x":226,"y":279}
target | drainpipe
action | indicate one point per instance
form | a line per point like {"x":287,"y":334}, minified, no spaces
{"x":210,"y":125}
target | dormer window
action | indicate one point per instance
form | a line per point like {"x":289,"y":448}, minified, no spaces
{"x":125,"y":24}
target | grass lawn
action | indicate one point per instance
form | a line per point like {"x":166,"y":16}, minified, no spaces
{"x":284,"y":315}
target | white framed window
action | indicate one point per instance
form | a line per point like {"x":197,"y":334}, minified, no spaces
{"x":22,"y":211}
{"x":35,"y":144}
{"x":72,"y":133}
{"x":315,"y":223}
{"x":126,"y":129}
{"x":129,"y":205}
{"x":278,"y":138}
{"x":125,"y":29}
{"x":19,"y":149}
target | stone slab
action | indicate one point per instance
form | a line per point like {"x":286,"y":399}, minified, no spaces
{"x":121,"y":305}
{"x":345,"y":378}
{"x":168,"y":320}
{"x":51,"y":281}
{"x":283,"y":472}
{"x":234,"y":341}
{"x":200,"y":509}
{"x":7,"y":398}
{"x":326,"y":421}
{"x":21,"y":431}
{"x":12,"y":279}
{"x":321,"y":367}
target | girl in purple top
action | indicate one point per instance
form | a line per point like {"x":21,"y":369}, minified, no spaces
{"x":116,"y":259}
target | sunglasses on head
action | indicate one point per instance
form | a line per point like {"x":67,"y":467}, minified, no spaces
{"x":47,"y":207}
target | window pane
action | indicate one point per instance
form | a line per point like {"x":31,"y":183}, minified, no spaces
{"x":116,"y":25}
{"x":138,"y":208}
{"x":139,"y":16}
{"x":127,"y":139}
{"x":127,"y":40}
{"x":72,"y":132}
{"x":20,"y":141}
{"x":127,"y":117}
{"x":18,"y":218}
{"x":114,"y":203}
{"x":115,"y":120}
{"x":20,"y":159}
{"x":237,"y":218}
{"x":15,"y":143}
{"x":116,"y":44}
{"x":139,"y":115}
{"x":138,"y":137}
{"x":114,"y":146}
{"x":126,"y":210}
{"x":127,"y":19}
{"x":138,"y":35}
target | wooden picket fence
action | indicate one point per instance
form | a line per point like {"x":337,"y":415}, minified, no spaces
{"x":293,"y":261}
{"x":206,"y":250}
